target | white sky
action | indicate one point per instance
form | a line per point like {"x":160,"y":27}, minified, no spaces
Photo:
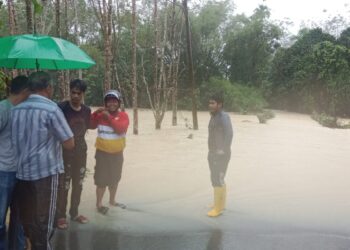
{"x":298,"y":10}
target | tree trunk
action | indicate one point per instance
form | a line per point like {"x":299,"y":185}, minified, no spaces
{"x":190,"y":67}
{"x":76,"y":32}
{"x":108,"y":43}
{"x":12,"y":17}
{"x":174,"y":68}
{"x":155,"y":63}
{"x":29,"y":15}
{"x":60,"y":79}
{"x":133,"y":69}
{"x":103,"y":13}
{"x":12,"y":26}
{"x":158,"y":124}
{"x":65,"y":36}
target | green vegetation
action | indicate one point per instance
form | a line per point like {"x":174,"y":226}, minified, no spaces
{"x":239,"y":98}
{"x":253,"y":60}
{"x":265,"y":115}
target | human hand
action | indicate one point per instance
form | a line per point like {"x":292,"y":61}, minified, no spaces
{"x":99,"y":110}
{"x":105,"y":114}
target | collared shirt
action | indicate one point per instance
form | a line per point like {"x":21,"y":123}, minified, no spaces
{"x":7,"y":157}
{"x":38,"y":129}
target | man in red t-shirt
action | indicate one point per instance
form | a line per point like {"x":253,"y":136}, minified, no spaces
{"x":112,"y":125}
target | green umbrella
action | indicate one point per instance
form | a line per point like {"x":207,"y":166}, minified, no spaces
{"x":41,"y":52}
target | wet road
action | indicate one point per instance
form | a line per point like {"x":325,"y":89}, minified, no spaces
{"x":213,"y":240}
{"x":288,"y":189}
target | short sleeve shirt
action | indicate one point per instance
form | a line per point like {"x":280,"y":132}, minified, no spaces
{"x":38,"y":129}
{"x":79,"y":122}
{"x":7,"y":156}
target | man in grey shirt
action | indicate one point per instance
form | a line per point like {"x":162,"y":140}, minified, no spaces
{"x":19,"y":91}
{"x":219,"y":144}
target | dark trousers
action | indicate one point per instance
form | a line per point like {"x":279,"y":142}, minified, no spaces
{"x":75,"y":168}
{"x":37,"y":203}
{"x":15,"y":239}
{"x":218,"y":166}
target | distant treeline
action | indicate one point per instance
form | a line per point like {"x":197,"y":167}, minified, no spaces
{"x":253,"y":60}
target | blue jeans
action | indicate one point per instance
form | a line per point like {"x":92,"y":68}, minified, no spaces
{"x":15,"y":233}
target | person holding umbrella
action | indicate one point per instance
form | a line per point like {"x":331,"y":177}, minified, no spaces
{"x":112,"y":125}
{"x":39,"y":128}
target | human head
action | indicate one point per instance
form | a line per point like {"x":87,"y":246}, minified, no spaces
{"x":40,"y":83}
{"x":20,"y":88}
{"x":18,"y":84}
{"x":77,"y":90}
{"x":216,"y":103}
{"x":112,"y":100}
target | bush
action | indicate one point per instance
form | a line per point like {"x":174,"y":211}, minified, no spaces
{"x":237,"y":97}
{"x":265,"y":115}
{"x":326,"y":120}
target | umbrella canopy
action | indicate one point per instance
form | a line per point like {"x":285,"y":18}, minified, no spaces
{"x":41,"y":52}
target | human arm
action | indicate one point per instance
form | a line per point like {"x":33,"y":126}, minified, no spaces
{"x":61,"y":129}
{"x":228,"y":132}
{"x":120,"y":123}
{"x":68,"y":144}
{"x":95,"y":117}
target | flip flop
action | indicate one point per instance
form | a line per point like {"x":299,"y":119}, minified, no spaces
{"x":62,"y":224}
{"x":80,"y":219}
{"x":102,"y":210}
{"x":116,"y":204}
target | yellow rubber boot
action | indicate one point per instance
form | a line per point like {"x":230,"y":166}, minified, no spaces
{"x":218,"y":202}
{"x":224,"y":198}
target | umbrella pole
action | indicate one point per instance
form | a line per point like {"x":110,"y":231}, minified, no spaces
{"x":37,"y":64}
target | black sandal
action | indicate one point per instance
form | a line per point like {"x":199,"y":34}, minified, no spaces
{"x":116,"y":204}
{"x":102,"y":210}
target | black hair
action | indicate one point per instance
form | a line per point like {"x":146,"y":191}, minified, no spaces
{"x":39,"y":80}
{"x":218,"y":97}
{"x":18,"y":84}
{"x":79,"y":84}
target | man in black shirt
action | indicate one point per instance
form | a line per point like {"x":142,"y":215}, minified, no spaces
{"x":78,"y":118}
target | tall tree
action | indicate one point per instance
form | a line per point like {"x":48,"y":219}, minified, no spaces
{"x":29,"y":15}
{"x":61,"y":74}
{"x":190,"y":67}
{"x":133,"y":70}
{"x":250,"y":43}
{"x":12,"y":17}
{"x":159,"y":93}
{"x":103,"y":12}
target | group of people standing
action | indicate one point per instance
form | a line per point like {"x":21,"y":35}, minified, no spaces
{"x":44,"y":152}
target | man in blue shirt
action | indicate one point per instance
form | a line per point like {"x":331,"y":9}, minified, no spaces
{"x":219,"y":144}
{"x":39,"y":128}
{"x":19,"y":91}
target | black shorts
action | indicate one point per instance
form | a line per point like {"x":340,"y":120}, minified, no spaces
{"x":108,"y":169}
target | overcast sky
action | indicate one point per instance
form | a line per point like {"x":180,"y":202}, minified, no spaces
{"x":298,"y":10}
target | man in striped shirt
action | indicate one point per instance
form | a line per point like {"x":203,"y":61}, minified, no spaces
{"x":38,"y":130}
